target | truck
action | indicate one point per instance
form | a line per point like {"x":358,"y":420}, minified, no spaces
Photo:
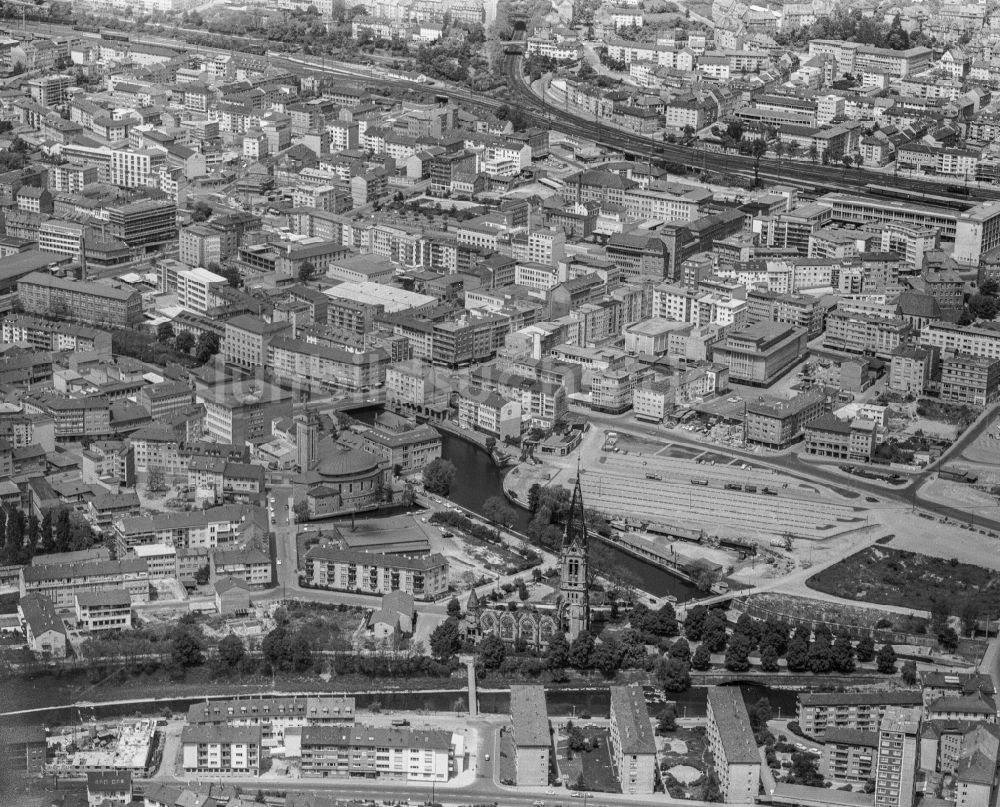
{"x":657,"y":477}
{"x":732,"y":486}
{"x":702,"y":482}
{"x":769,"y":491}
{"x":750,"y":488}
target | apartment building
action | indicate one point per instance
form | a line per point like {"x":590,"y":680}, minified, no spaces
{"x":404,"y":754}
{"x":61,"y":582}
{"x":240,"y":411}
{"x":865,"y":333}
{"x":196,"y":529}
{"x":246,"y":340}
{"x":221,"y":750}
{"x":83,"y":301}
{"x":898,"y":754}
{"x":972,"y":380}
{"x":801,"y":310}
{"x":633,"y":747}
{"x":849,"y":755}
{"x":828,"y":436}
{"x":489,"y":413}
{"x":74,"y":418}
{"x":425,"y":577}
{"x":972,"y":340}
{"x":323,"y":367}
{"x":417,"y":385}
{"x":531,"y":734}
{"x":910,"y":370}
{"x":404,"y":445}
{"x":778,"y":423}
{"x":102,"y":611}
{"x":43,"y":334}
{"x":274,"y":715}
{"x":44,"y":630}
{"x":195,"y":288}
{"x":818,"y":712}
{"x":737,"y":763}
{"x":251,"y":566}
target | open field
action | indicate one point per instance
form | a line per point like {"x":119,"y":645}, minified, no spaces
{"x":894,"y":577}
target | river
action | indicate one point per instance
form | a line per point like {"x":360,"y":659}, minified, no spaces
{"x":479,"y":478}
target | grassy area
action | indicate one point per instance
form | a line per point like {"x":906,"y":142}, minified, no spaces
{"x":684,"y":747}
{"x":952,"y":414}
{"x":907,"y":579}
{"x":588,"y":770}
{"x":788,"y":605}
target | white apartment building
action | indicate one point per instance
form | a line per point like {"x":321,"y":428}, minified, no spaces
{"x":101,"y":611}
{"x":213,"y":749}
{"x":194,"y":288}
{"x":132,"y":169}
{"x":737,"y":763}
{"x":950,"y":339}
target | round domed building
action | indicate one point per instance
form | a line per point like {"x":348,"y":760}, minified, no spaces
{"x":344,"y":479}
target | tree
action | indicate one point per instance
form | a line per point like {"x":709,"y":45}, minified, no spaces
{"x":581,"y":651}
{"x":757,"y":149}
{"x":277,"y":649}
{"x":668,"y":720}
{"x":446,"y":639}
{"x":164,"y":332}
{"x":491,"y":652}
{"x":991,"y":288}
{"x":187,"y":646}
{"x":202,"y":211}
{"x":184,"y":342}
{"x":847,"y":161}
{"x":307,"y":271}
{"x":681,"y":650}
{"x":866,"y":648}
{"x":206,"y":346}
{"x":607,"y":658}
{"x":793,"y":148}
{"x":813,"y":152}
{"x":820,"y":656}
{"x":797,"y":655}
{"x":673,"y":674}
{"x":454,"y":608}
{"x":909,"y":673}
{"x":534,"y":496}
{"x":702,"y":658}
{"x":491,"y":443}
{"x":496,"y":509}
{"x":750,"y":628}
{"x":948,"y":639}
{"x":300,"y":649}
{"x":203,"y":575}
{"x":768,"y":658}
{"x":558,"y":652}
{"x":694,"y":623}
{"x":438,"y":476}
{"x":983,"y":307}
{"x":714,"y":634}
{"x":738,"y":653}
{"x":231,"y":650}
{"x":885,"y":662}
{"x":843,"y":654}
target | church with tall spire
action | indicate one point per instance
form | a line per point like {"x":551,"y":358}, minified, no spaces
{"x":534,"y":627}
{"x":574,"y":569}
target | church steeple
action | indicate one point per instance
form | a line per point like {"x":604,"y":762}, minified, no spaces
{"x":574,"y":564}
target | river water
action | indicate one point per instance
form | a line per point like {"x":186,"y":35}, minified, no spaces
{"x":478,"y":478}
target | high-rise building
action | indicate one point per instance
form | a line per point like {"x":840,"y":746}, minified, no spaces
{"x":898,"y":747}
